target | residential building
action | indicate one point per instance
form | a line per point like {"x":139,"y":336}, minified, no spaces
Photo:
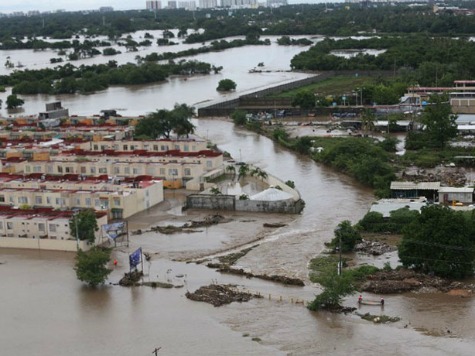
{"x":120,"y":198}
{"x":239,"y":3}
{"x":453,"y":195}
{"x":153,"y":5}
{"x":208,"y":4}
{"x":44,"y":229}
{"x":187,"y":5}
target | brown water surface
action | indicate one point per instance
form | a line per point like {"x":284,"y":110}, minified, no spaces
{"x":46,"y":311}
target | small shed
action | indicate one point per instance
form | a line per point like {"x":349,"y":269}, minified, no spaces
{"x":415,"y":190}
{"x":451,"y":195}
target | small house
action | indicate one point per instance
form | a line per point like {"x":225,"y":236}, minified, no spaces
{"x":415,"y":190}
{"x":452,"y":195}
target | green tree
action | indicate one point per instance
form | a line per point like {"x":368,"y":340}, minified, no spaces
{"x":367,"y":121}
{"x":305,"y":99}
{"x":346,"y":235}
{"x":13,"y":101}
{"x":243,"y":171}
{"x":239,"y":117}
{"x":231,"y":170}
{"x":180,"y":118}
{"x":226,"y":85}
{"x":164,"y":122}
{"x":440,"y":125}
{"x":439,"y":241}
{"x":335,"y":288}
{"x":259,"y":173}
{"x":91,"y":267}
{"x":83,"y":225}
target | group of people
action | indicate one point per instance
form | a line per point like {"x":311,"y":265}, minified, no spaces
{"x":360,"y":300}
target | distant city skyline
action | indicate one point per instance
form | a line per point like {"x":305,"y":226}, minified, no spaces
{"x":9,"y":6}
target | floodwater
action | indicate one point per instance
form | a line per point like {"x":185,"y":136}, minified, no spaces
{"x":45,"y":311}
{"x":143,"y":99}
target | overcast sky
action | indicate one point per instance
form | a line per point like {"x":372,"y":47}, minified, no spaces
{"x":7,"y":6}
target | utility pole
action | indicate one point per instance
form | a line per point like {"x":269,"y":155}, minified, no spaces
{"x":339,"y":262}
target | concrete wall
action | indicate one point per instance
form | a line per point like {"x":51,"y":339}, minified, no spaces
{"x":229,"y":202}
{"x":210,"y":201}
{"x":43,"y":244}
{"x":288,"y":206}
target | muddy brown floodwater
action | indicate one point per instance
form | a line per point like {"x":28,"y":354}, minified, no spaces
{"x":46,"y":311}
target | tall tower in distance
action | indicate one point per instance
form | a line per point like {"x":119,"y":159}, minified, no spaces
{"x":153,"y":5}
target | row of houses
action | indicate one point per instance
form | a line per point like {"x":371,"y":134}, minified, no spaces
{"x":119,"y":200}
{"x":49,"y":173}
{"x":44,"y":228}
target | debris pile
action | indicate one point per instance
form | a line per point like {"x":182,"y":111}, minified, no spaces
{"x":403,"y":280}
{"x":379,"y":319}
{"x":447,"y":176}
{"x":224,"y":268}
{"x":131,"y":279}
{"x":187,"y":227}
{"x":218,"y":295}
{"x":374,"y":248}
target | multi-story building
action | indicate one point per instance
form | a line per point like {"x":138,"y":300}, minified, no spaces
{"x":208,"y":4}
{"x":153,"y":5}
{"x":172,"y":4}
{"x":121,"y":198}
{"x":173,"y":166}
{"x":239,"y":3}
{"x":276,"y":3}
{"x":187,"y":5}
{"x":44,"y":229}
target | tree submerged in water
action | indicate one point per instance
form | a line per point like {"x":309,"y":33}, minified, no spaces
{"x":91,"y":267}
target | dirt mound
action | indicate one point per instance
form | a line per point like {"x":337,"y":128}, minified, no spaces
{"x":131,"y":279}
{"x":224,"y":268}
{"x":218,"y":295}
{"x":187,"y":227}
{"x":403,"y":280}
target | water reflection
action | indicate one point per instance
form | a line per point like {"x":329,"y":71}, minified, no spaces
{"x":95,"y":301}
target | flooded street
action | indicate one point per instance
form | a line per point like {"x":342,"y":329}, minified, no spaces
{"x":47,"y":311}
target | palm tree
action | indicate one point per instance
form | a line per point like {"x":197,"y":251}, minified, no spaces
{"x":232,"y":170}
{"x":367,"y":121}
{"x":259,"y":173}
{"x":243,"y":171}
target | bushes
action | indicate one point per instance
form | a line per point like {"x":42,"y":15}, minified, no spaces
{"x":363,"y":160}
{"x":376,"y":223}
